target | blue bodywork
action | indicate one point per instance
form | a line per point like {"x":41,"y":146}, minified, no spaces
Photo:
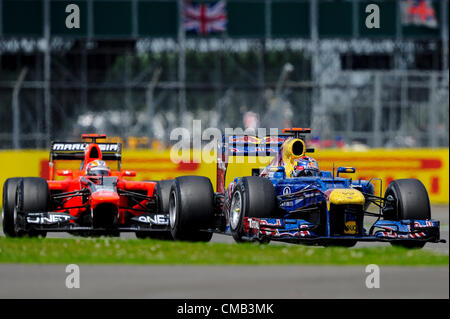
{"x":305,"y":213}
{"x":312,"y":189}
{"x":296,"y":194}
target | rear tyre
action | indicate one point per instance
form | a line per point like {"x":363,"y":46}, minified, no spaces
{"x":9,"y":204}
{"x":191,"y":208}
{"x":410,"y":202}
{"x":163,"y":193}
{"x":253,"y":196}
{"x":32,"y":195}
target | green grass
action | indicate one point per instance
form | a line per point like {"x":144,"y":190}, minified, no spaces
{"x":133,"y":251}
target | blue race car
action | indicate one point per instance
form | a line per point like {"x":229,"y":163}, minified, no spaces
{"x":292,"y":200}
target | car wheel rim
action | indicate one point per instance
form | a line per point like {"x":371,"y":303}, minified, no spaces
{"x":16,"y":228}
{"x":172,"y":209}
{"x":235,"y":211}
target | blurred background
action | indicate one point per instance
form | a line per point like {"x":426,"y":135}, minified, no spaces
{"x":363,"y":77}
{"x":135,"y":69}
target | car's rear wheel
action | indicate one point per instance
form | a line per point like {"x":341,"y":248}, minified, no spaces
{"x":410,"y":201}
{"x":32,"y":195}
{"x":191,"y":208}
{"x":163,"y":193}
{"x":253,"y":196}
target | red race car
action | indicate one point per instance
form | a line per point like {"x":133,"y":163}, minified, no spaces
{"x":94,"y":200}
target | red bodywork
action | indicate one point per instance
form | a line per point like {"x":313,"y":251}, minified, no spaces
{"x":77,"y":181}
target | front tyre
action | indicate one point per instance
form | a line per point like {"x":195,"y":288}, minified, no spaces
{"x":9,"y":205}
{"x":191,"y":208}
{"x":163,"y":193}
{"x":32,"y":195}
{"x":410,"y":201}
{"x":253,"y":196}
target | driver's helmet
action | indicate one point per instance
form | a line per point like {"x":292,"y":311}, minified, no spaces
{"x":305,"y":166}
{"x":97,"y":168}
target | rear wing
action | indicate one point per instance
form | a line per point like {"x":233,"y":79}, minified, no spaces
{"x":75,"y":151}
{"x":249,"y":145}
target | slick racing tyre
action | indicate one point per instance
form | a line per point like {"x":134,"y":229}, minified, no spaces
{"x":410,"y":202}
{"x":191,"y":208}
{"x":9,"y":205}
{"x":163,"y":193}
{"x":33,"y":195}
{"x":253,"y":196}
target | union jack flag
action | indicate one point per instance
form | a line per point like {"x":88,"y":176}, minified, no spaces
{"x":205,"y":18}
{"x":419,"y":12}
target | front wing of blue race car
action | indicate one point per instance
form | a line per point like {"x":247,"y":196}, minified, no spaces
{"x":300,"y":230}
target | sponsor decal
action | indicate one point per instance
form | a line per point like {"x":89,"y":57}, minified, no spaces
{"x":48,"y":219}
{"x":286,"y":191}
{"x":265,"y":222}
{"x":402,"y":236}
{"x":350,"y":227}
{"x":350,"y":224}
{"x":152,"y":219}
{"x":80,"y":147}
{"x":423,"y":224}
{"x":253,"y":223}
{"x":303,"y":233}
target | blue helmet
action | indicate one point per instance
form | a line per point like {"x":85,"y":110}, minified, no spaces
{"x":305,"y":166}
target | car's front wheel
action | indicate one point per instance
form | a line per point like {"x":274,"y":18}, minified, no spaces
{"x":253,"y":196}
{"x":163,"y":193}
{"x":9,"y":216}
{"x":32,"y":195}
{"x":409,"y":201}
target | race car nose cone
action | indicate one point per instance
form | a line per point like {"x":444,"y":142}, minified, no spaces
{"x":103,"y":196}
{"x":346,"y":196}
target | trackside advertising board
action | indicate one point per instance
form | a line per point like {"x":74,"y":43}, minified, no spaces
{"x":431,"y":166}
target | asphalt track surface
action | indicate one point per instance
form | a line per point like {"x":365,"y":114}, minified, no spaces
{"x":273,"y":282}
{"x":123,"y":281}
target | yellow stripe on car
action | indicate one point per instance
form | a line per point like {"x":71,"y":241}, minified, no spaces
{"x":346,"y":196}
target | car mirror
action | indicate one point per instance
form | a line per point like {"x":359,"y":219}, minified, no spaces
{"x":129,"y":173}
{"x":345,"y":170}
{"x":64,"y":172}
